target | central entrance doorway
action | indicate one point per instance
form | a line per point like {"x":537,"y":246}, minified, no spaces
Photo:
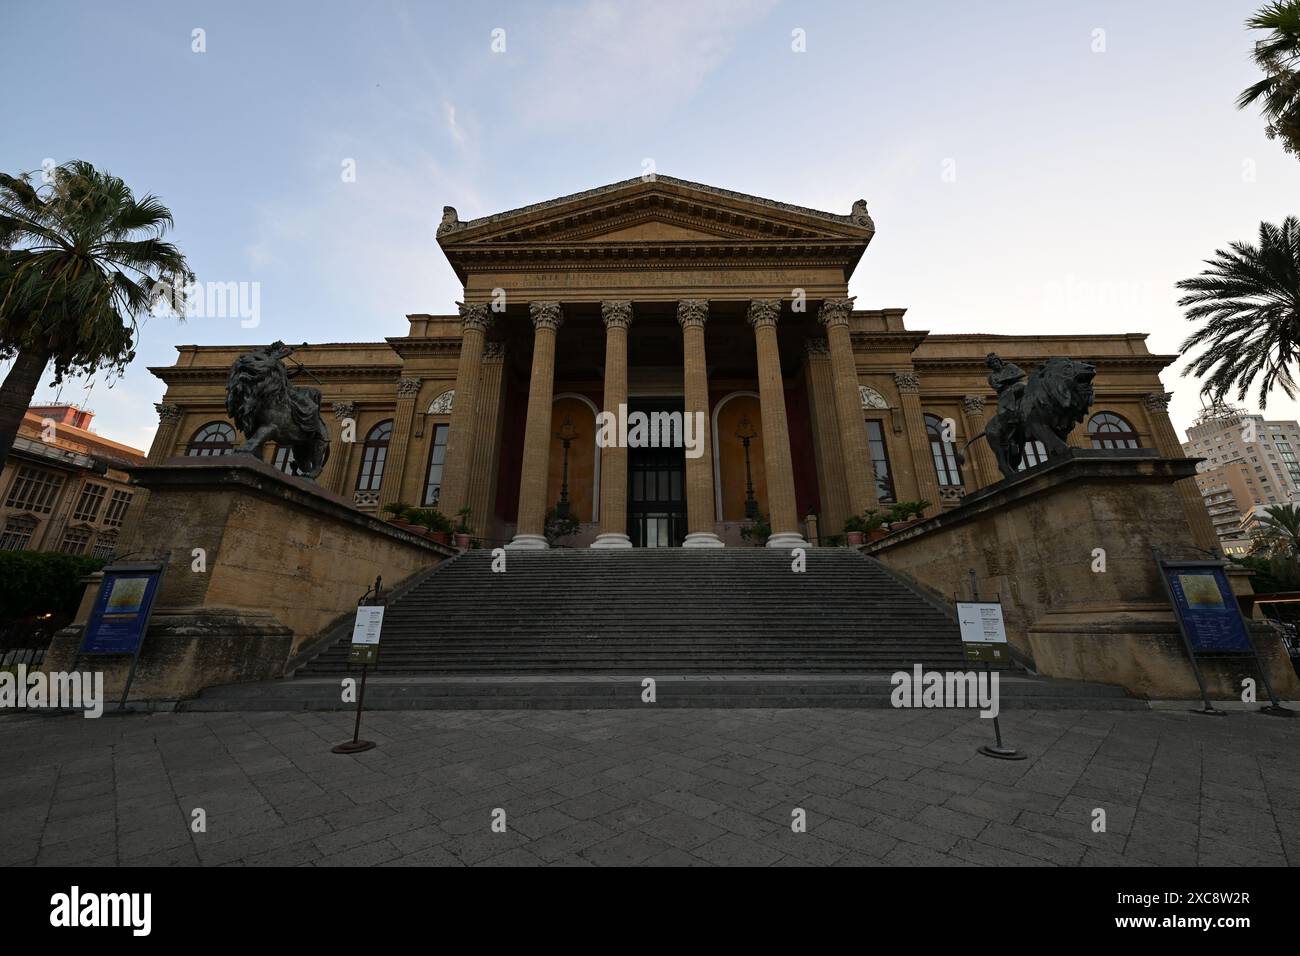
{"x":656,"y":493}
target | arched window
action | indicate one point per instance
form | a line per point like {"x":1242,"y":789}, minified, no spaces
{"x":283,"y":460}
{"x":1034,"y":453}
{"x":373,"y":456}
{"x":214,"y":438}
{"x":1108,"y":430}
{"x":943,"y":452}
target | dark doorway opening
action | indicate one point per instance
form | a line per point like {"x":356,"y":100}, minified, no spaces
{"x":656,"y":494}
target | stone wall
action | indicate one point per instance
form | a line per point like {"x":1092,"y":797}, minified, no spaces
{"x":282,"y":561}
{"x":1033,"y":542}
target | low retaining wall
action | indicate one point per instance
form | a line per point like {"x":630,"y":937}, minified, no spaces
{"x":260,"y":564}
{"x":1037,"y":540}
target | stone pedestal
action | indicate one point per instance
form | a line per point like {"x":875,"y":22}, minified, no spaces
{"x":259,"y":565}
{"x":1037,"y":541}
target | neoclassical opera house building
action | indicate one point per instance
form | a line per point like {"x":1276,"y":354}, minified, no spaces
{"x":666,"y":295}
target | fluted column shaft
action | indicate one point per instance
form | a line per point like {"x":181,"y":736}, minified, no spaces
{"x":530,"y":533}
{"x":834,"y":314}
{"x":918,"y":440}
{"x":1162,"y":429}
{"x":481,"y":496}
{"x":462,"y":428}
{"x":336,"y":468}
{"x":828,"y":447}
{"x":692,"y":314}
{"x":782,"y":513}
{"x":390,"y":489}
{"x":982,"y":462}
{"x":613,"y":455}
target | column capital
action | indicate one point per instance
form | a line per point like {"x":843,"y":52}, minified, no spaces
{"x":408,"y":387}
{"x":616,"y":313}
{"x":168,"y":413}
{"x":546,"y":315}
{"x":1157,"y":400}
{"x":473,"y":315}
{"x":817,"y":346}
{"x":692,"y":313}
{"x":764,"y":312}
{"x":907,"y":382}
{"x":344,"y":410}
{"x":835,"y":311}
{"x":972,"y":403}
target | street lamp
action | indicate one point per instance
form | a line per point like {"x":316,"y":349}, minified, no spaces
{"x":566,"y":435}
{"x":745,"y":432}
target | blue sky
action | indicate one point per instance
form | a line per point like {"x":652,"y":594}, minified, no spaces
{"x":1026,"y":173}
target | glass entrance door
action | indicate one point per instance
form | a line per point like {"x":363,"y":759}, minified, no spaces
{"x":656,"y":496}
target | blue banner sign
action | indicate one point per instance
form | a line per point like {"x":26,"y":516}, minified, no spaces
{"x":1206,"y":606}
{"x":121,"y":612}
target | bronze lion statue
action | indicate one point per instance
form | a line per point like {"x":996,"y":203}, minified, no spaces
{"x":1043,"y":409}
{"x":265,"y":407}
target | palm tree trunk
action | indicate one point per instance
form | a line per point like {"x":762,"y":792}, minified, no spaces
{"x":16,"y":394}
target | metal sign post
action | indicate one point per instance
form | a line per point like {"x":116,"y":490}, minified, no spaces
{"x":365,"y":650}
{"x":984,"y":636}
{"x":120,"y":616}
{"x":1210,"y":620}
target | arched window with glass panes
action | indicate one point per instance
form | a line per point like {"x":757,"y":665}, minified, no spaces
{"x":283,"y":460}
{"x":1033,"y":453}
{"x":943,"y":451}
{"x":214,"y":438}
{"x":374,"y":454}
{"x":1108,"y":430}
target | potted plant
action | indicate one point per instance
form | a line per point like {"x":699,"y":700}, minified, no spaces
{"x":462,"y":531}
{"x":906,"y":513}
{"x":558,"y":528}
{"x":854,"y":528}
{"x":758,"y":530}
{"x":437,"y":525}
{"x":399,"y":514}
{"x":874,"y":523}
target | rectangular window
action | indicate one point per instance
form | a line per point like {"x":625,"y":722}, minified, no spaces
{"x":437,"y":457}
{"x":880,"y":460}
{"x":34,"y":490}
{"x":17,"y":534}
{"x":92,"y":498}
{"x":117,"y":506}
{"x":75,"y":541}
{"x":105,"y":546}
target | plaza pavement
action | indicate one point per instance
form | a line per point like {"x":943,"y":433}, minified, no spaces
{"x":646,"y":786}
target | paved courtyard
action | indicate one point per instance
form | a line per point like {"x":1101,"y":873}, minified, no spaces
{"x":693,"y":787}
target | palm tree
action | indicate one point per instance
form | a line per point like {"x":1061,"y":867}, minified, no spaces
{"x":80,"y":259}
{"x":1277,"y":532}
{"x":1278,"y":93}
{"x":1249,"y":298}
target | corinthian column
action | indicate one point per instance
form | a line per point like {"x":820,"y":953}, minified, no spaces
{"x":164,"y":440}
{"x":763,"y":314}
{"x":692,"y":314}
{"x":834,"y":314}
{"x":464,"y":409}
{"x":1156,"y":406}
{"x":336,"y":469}
{"x":918,"y":440}
{"x":983,"y":463}
{"x":530,"y":532}
{"x":390,"y":490}
{"x":613,"y":455}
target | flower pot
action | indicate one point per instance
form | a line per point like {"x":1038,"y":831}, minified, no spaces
{"x":877,"y":534}
{"x":854,"y":538}
{"x":442,"y":537}
{"x":462,"y":541}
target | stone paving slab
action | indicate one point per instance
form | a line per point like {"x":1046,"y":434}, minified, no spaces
{"x":650,"y":787}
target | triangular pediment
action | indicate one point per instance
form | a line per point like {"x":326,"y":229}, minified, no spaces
{"x":662,"y":210}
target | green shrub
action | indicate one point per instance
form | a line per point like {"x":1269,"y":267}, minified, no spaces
{"x":41,"y":582}
{"x":430,"y":518}
{"x":758,"y":530}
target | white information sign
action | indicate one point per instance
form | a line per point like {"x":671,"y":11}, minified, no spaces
{"x":981,"y":623}
{"x":370,"y":619}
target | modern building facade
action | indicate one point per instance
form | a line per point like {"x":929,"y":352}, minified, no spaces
{"x":65,"y":488}
{"x":669,"y":297}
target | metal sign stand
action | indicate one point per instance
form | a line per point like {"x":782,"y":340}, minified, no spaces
{"x":159,"y":565}
{"x":1275,"y":709}
{"x":370,"y":653}
{"x":998,"y":750}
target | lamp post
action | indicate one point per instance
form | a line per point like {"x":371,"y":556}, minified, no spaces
{"x":566,"y":435}
{"x":745,"y":432}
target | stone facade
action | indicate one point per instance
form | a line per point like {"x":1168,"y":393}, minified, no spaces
{"x":668,"y":295}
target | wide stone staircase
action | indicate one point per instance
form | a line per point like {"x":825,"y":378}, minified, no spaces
{"x":579,"y":629}
{"x":649,"y":611}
